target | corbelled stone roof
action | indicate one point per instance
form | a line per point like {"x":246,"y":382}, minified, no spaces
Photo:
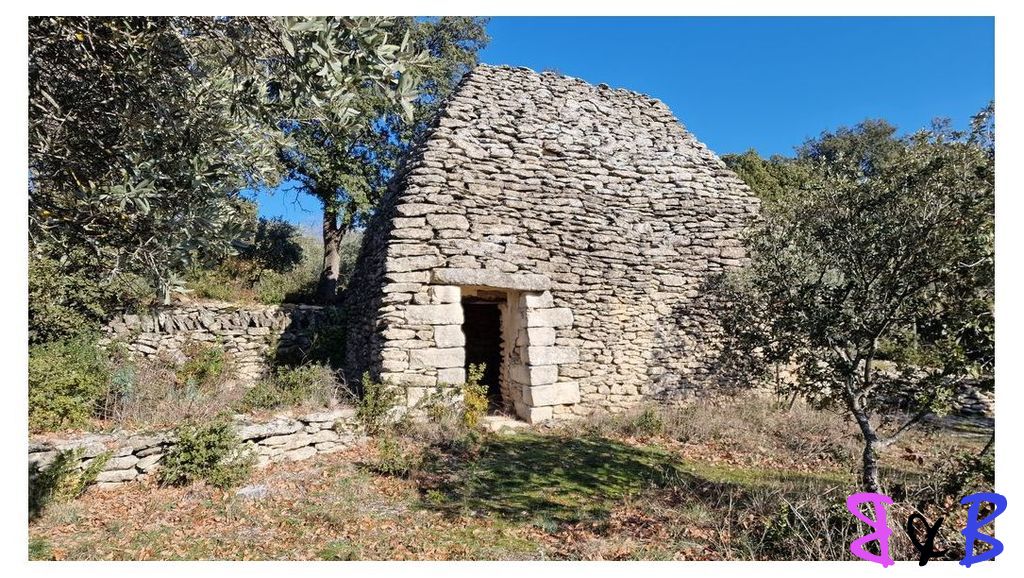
{"x":516,"y":113}
{"x":596,"y":199}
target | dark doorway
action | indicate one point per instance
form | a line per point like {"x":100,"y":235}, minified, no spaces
{"x":482,"y":327}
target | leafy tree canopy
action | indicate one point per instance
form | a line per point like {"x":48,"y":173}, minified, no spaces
{"x":143,"y":130}
{"x":884,"y":245}
{"x":347,"y":168}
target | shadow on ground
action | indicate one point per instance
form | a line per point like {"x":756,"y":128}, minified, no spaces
{"x":551,"y":478}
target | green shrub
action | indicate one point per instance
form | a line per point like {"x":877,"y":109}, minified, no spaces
{"x":307,"y":384}
{"x":965,"y":473}
{"x":216,"y":284}
{"x":393,"y":460}
{"x":204,"y":365}
{"x":278,"y":266}
{"x":62,"y":480}
{"x":648,"y":423}
{"x":210,"y":452}
{"x":63,"y":299}
{"x":66,"y":382}
{"x":474,"y":396}
{"x":376,"y":403}
{"x":275,"y":246}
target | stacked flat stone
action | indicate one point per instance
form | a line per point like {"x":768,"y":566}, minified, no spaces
{"x":134,"y":457}
{"x":247,"y":334}
{"x":592,"y":207}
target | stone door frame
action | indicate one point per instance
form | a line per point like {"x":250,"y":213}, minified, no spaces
{"x":530,"y":326}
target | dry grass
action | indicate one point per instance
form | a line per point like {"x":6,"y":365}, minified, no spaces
{"x":741,"y":430}
{"x":163,"y":392}
{"x":754,"y":483}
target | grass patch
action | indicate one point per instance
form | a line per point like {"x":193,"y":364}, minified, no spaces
{"x":752,"y":477}
{"x":39,"y":549}
{"x":545,"y":478}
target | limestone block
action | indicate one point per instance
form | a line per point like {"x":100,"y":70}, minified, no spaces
{"x":409,"y":222}
{"x":330,"y":416}
{"x":534,"y":415}
{"x":117,"y":475}
{"x":447,"y":314}
{"x":449,"y":336}
{"x":534,"y":374}
{"x":394,"y":365}
{"x":551,"y":355}
{"x":121,"y":463}
{"x":147,"y":463}
{"x":298,"y":454}
{"x":414,"y":395}
{"x":540,"y":336}
{"x":437,"y":357}
{"x":491,"y":278}
{"x":536,"y":300}
{"x":325,"y":435}
{"x":401,"y":288}
{"x":565,"y":392}
{"x":445,"y":294}
{"x":274,"y":428}
{"x":448,"y":222}
{"x":409,"y":379}
{"x":451,"y":375}
{"x":416,"y":234}
{"x":405,"y":264}
{"x":733,"y":253}
{"x":288,"y":442}
{"x":556,"y":317}
{"x":417,"y":209}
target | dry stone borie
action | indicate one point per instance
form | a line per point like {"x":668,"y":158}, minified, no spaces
{"x":562,"y":233}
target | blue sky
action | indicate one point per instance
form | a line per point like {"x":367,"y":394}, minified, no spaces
{"x":763,"y":83}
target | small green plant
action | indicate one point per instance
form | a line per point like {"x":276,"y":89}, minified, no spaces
{"x":209,"y":452}
{"x":63,"y":480}
{"x":648,"y":423}
{"x":289,"y":386}
{"x":392,"y":460}
{"x":474,"y":396}
{"x":66,"y":382}
{"x":205,"y":364}
{"x":376,"y":404}
{"x":965,"y":473}
{"x":64,"y":296}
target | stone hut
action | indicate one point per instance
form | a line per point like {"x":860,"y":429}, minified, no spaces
{"x":564,"y":234}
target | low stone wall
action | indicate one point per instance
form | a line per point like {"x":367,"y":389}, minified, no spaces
{"x":248,"y":334}
{"x":973,"y":401}
{"x":135,"y":457}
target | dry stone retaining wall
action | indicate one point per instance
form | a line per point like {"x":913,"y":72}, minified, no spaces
{"x":599,"y":217}
{"x":249,"y":335}
{"x":135,"y":457}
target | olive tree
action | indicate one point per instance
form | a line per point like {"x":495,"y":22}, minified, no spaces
{"x":883,"y":249}
{"x":143,"y":130}
{"x":346,"y":168}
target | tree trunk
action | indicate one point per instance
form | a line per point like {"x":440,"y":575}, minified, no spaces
{"x":869,"y":471}
{"x":869,"y":463}
{"x":327,"y":288}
